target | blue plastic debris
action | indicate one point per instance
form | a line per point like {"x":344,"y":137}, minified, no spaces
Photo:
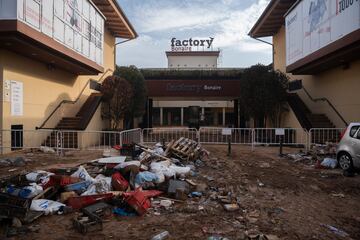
{"x":78,"y":187}
{"x":195,"y":194}
{"x":123,"y":212}
{"x":146,"y":176}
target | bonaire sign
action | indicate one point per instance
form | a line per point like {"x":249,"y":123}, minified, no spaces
{"x":178,"y":45}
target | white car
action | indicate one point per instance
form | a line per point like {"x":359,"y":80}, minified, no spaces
{"x":348,"y":149}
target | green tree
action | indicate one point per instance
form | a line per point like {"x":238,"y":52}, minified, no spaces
{"x":117,"y":95}
{"x":137,"y":81}
{"x":263,"y":93}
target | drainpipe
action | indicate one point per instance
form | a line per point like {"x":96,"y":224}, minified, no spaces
{"x":272,"y":45}
{"x":115,"y":45}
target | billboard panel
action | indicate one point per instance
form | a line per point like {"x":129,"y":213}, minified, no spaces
{"x":314,"y":24}
{"x":74,"y":23}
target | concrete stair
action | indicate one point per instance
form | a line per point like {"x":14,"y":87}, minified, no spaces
{"x":70,"y":125}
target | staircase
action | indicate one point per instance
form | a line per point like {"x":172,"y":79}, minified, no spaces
{"x":309,"y":120}
{"x":69,"y":125}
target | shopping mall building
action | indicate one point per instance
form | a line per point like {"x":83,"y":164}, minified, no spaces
{"x":317,"y":42}
{"x":193,"y":91}
{"x":53,"y":54}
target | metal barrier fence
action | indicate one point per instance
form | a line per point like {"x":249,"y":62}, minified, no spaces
{"x":100,"y":140}
{"x":131,"y":136}
{"x":16,"y":139}
{"x":213,"y":135}
{"x":292,"y":136}
{"x":323,"y":135}
{"x":154,"y":135}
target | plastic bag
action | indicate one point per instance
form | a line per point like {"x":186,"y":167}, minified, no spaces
{"x":83,"y":174}
{"x":45,"y":205}
{"x":162,"y":167}
{"x":180,"y":170}
{"x":329,"y":163}
{"x":125,"y":164}
{"x":34,"y":190}
{"x":100,"y":185}
{"x":39,"y":176}
{"x":143,"y":177}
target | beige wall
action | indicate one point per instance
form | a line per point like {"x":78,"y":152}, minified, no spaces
{"x":339,"y":85}
{"x":44,"y":89}
{"x":192,"y":61}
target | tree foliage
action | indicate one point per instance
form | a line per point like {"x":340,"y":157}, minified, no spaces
{"x":117,"y":95}
{"x":137,"y":81}
{"x":263,"y":93}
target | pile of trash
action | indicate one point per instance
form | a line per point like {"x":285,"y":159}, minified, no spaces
{"x":118,"y":185}
{"x":321,"y":156}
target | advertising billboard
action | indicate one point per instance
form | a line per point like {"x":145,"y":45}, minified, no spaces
{"x":313,"y":24}
{"x":74,"y":23}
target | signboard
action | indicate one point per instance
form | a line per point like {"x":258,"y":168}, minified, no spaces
{"x":74,"y":23}
{"x":279,"y":131}
{"x":314,"y":24}
{"x":16,"y":98}
{"x":178,"y":45}
{"x":226,"y":131}
{"x":182,"y":87}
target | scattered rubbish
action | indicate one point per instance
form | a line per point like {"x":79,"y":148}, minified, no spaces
{"x":196,"y":194}
{"x":145,"y":177}
{"x":83,"y":201}
{"x":231,"y":207}
{"x":14,"y":162}
{"x":329,"y":163}
{"x":46,"y":205}
{"x":177,"y":184}
{"x":45,"y":149}
{"x":161,"y":236}
{"x":85,"y":224}
{"x":97,"y":189}
{"x":123,"y":212}
{"x":335,"y":230}
{"x":339,"y":195}
{"x":217,"y":238}
{"x":83,"y":174}
{"x":118,"y":182}
{"x":166,"y":203}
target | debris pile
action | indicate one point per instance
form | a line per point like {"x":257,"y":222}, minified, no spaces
{"x":101,"y":188}
{"x":321,"y":156}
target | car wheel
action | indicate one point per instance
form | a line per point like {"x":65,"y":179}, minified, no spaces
{"x":345,"y":162}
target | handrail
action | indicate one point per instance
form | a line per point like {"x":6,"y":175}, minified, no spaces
{"x":328,"y":102}
{"x":71,"y":101}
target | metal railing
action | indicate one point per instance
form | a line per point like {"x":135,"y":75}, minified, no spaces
{"x":131,"y":136}
{"x":16,"y":139}
{"x":213,"y":135}
{"x":323,"y":135}
{"x":292,"y":136}
{"x":100,"y":140}
{"x":154,"y":135}
{"x":73,"y":102}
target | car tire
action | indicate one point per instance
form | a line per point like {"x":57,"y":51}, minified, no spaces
{"x":345,"y":162}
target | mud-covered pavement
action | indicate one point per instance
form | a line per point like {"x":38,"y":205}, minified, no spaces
{"x":277,"y":197}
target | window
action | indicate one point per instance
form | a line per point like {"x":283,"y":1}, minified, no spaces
{"x":358,"y":135}
{"x":353,"y":131}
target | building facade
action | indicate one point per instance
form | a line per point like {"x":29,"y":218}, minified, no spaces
{"x":317,"y":42}
{"x":192,"y":91}
{"x":52,"y":54}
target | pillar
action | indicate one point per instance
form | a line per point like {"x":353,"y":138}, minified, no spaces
{"x":149,"y":113}
{"x":236,"y":113}
{"x":161,"y":117}
{"x":224,"y":116}
{"x":182,"y":116}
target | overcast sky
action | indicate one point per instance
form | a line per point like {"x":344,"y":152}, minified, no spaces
{"x":227,"y":21}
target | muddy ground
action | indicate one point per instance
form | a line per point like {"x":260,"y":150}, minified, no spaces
{"x":278,"y":197}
